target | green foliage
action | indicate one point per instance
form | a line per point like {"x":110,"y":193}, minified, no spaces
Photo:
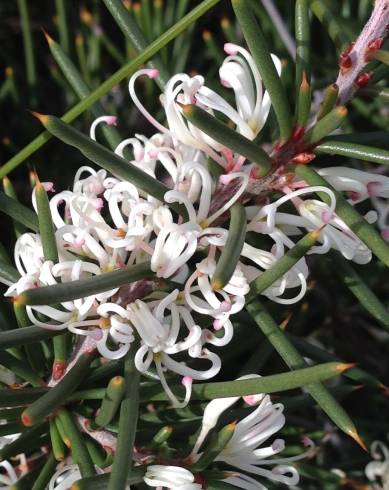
{"x":345,"y":311}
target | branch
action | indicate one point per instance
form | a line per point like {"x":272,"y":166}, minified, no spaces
{"x":355,"y":58}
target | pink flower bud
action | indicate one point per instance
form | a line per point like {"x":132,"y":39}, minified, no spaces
{"x":373,"y":188}
{"x":217,"y":324}
{"x":111,"y":120}
{"x":326,"y":216}
{"x":225,"y":306}
{"x":230,"y":48}
{"x":187,"y":381}
{"x":48,"y":186}
{"x":153,"y":73}
{"x":153,"y":154}
{"x":252,"y":400}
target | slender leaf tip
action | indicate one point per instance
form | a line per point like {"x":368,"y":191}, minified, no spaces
{"x":49,"y":39}
{"x":285,"y":323}
{"x":118,"y":380}
{"x":316,"y":233}
{"x":345,"y":366}
{"x":304,"y":86}
{"x":19,"y":300}
{"x":216,"y":284}
{"x":36,"y":180}
{"x":207,"y":35}
{"x":6,"y":181}
{"x":86,"y":16}
{"x":342,"y":111}
{"x":43,"y":118}
{"x":186,"y":108}
{"x":357,"y":438}
{"x":26,"y":420}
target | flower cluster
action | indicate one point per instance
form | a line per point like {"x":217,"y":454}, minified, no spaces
{"x":105,"y":223}
{"x":245,"y":459}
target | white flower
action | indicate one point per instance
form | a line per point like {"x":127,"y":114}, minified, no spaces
{"x":73,"y":311}
{"x":65,"y":476}
{"x":244,"y":451}
{"x":159,"y":333}
{"x":358,"y":184}
{"x":378,"y":470}
{"x":219,"y":304}
{"x":9,"y":478}
{"x":174,"y":246}
{"x":176,"y":243}
{"x":314,"y":214}
{"x":170,"y":477}
{"x":238,"y":72}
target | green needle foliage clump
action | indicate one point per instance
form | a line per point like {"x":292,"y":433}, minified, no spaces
{"x":230,"y":225}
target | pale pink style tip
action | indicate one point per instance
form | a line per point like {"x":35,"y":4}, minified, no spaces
{"x":230,"y":48}
{"x":111,"y":120}
{"x":98,"y":203}
{"x":252,"y":400}
{"x":307,"y":441}
{"x":326,"y":217}
{"x":153,"y":154}
{"x":217,"y":324}
{"x":373,"y":188}
{"x":48,"y":186}
{"x":95,"y":334}
{"x":187,"y":381}
{"x":79,"y":242}
{"x":153,"y":73}
{"x":225,"y":306}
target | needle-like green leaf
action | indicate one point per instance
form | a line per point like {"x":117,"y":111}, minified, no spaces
{"x":68,"y":291}
{"x":128,"y":421}
{"x":354,"y":150}
{"x":295,"y":361}
{"x":228,"y":137}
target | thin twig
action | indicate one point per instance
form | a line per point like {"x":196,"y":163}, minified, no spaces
{"x":352,"y":61}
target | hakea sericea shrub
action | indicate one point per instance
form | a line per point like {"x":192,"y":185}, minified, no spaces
{"x":148,"y":259}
